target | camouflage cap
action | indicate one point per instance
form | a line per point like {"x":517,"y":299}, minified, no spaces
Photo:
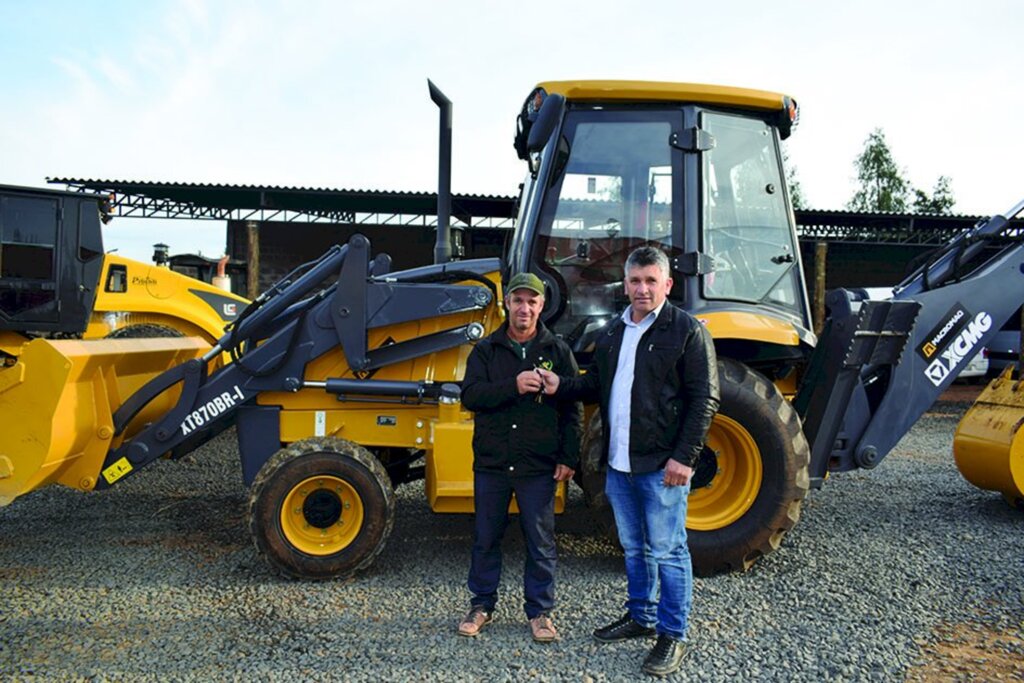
{"x":525,"y":281}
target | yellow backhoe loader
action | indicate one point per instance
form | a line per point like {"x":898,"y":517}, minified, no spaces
{"x":342,"y":391}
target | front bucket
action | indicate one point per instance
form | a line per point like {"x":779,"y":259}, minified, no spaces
{"x":989,"y":443}
{"x":57,"y":404}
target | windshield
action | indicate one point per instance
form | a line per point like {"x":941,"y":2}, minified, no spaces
{"x":746,"y":223}
{"x":612,"y":192}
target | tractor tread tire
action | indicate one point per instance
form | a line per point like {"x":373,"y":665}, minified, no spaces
{"x":378,"y":501}
{"x":775,"y":511}
{"x":746,"y":395}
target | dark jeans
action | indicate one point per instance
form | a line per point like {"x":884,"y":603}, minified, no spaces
{"x":535,"y":496}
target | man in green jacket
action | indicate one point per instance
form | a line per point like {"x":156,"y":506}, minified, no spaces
{"x":524,"y":443}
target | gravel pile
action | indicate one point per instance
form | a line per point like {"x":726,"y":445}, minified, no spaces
{"x":157,"y":579}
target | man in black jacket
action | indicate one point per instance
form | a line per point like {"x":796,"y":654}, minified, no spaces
{"x":524,"y":443}
{"x":654,"y":375}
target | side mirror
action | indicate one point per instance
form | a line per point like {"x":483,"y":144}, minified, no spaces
{"x":547,"y":120}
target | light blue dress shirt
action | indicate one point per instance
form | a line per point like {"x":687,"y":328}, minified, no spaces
{"x":622,"y":388}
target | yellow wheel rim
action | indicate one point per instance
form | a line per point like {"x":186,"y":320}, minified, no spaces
{"x":734,"y":487}
{"x":322,"y":515}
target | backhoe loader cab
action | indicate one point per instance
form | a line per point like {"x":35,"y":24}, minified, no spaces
{"x":695,"y":170}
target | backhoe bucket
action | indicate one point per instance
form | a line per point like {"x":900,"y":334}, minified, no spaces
{"x":989,"y":442}
{"x":57,"y":403}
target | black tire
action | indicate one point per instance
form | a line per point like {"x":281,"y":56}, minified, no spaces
{"x":757,"y":406}
{"x":754,"y":407}
{"x":144,"y":331}
{"x":326,"y":483}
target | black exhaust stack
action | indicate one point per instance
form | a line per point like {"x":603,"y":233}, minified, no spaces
{"x":443,"y":244}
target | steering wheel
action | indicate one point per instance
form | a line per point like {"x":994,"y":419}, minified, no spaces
{"x":558,"y":294}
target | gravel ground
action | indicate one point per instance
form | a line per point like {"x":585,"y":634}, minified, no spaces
{"x":903,"y":572}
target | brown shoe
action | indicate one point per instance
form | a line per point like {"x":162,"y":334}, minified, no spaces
{"x":474,"y":621}
{"x":543,"y":629}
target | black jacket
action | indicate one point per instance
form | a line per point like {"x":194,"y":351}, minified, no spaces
{"x":675,"y":388}
{"x":513,"y":433}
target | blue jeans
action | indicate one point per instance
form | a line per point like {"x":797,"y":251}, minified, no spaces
{"x":535,"y":496}
{"x":651,"y":519}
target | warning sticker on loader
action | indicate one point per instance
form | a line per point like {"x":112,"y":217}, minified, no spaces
{"x":117,"y":470}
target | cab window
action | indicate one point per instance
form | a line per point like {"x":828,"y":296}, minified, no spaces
{"x":746,"y":222}
{"x":613,"y":192}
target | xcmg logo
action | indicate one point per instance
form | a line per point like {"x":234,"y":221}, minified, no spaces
{"x":959,"y":349}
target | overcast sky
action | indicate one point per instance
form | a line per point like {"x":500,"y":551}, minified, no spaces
{"x":334,"y":94}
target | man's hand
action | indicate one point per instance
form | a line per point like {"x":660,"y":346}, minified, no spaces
{"x":564,"y":473}
{"x":529,"y":382}
{"x":676,"y":473}
{"x":551,"y":381}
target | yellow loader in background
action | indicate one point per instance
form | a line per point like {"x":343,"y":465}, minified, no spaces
{"x":989,"y":442}
{"x":56,"y":280}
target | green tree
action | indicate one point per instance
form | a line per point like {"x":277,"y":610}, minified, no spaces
{"x":941,"y":201}
{"x":796,"y":190}
{"x":882,"y":185}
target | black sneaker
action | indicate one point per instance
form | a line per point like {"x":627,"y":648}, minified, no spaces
{"x":623,"y":629}
{"x":665,"y":657}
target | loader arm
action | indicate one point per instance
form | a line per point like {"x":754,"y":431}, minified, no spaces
{"x":881,"y":364}
{"x":288,"y":328}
